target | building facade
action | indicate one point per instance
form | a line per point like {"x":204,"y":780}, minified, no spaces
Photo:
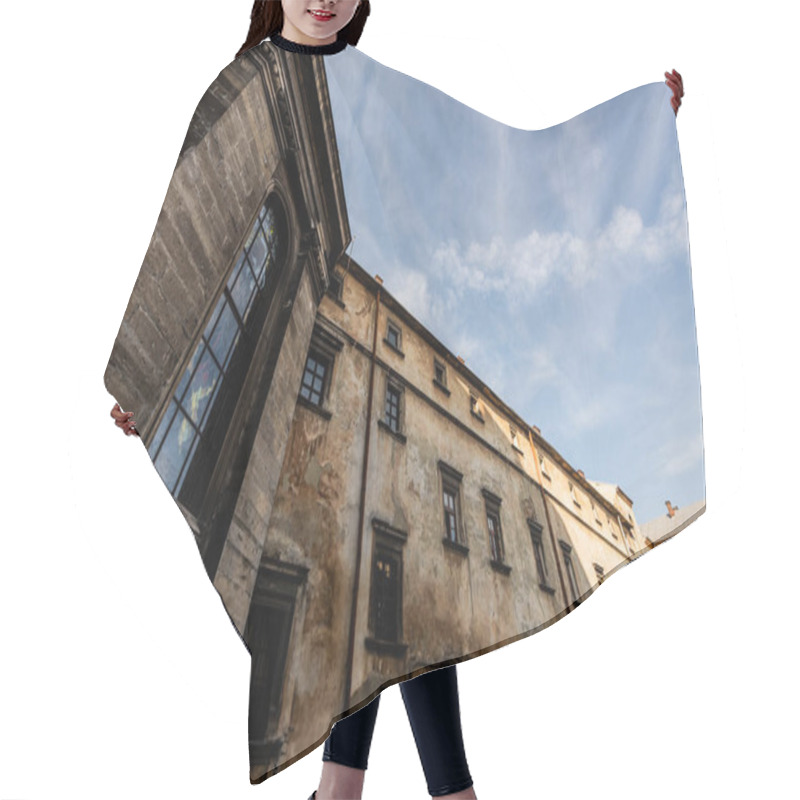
{"x":425,"y":521}
{"x":364,"y":504}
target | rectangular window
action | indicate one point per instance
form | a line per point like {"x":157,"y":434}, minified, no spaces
{"x":392,"y":408}
{"x":450,"y":515}
{"x":268,"y":631}
{"x":474,"y":406}
{"x":315,"y":377}
{"x":493,"y":526}
{"x":566,"y":551}
{"x":451,"y":483}
{"x":315,"y":385}
{"x":493,"y":522}
{"x":600,"y":572}
{"x":439,"y":372}
{"x":386,"y":585}
{"x":543,"y":466}
{"x":385,"y":603}
{"x":393,"y":335}
{"x":573,"y":495}
{"x":538,"y":550}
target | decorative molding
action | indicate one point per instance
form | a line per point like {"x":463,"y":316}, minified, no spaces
{"x":491,"y":498}
{"x":391,"y":536}
{"x":449,"y":472}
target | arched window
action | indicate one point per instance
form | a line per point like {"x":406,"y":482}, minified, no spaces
{"x":238,"y":312}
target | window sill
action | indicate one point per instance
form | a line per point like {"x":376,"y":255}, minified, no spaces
{"x":499,"y":566}
{"x":384,"y":648}
{"x":323,"y":412}
{"x":441,"y":387}
{"x":545,"y":588}
{"x":518,"y":449}
{"x":457,"y":546}
{"x":397,"y":435}
{"x":477,"y":415}
{"x":392,"y":347}
{"x":335,"y":299}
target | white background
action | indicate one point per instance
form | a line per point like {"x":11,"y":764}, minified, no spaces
{"x":120,"y":674}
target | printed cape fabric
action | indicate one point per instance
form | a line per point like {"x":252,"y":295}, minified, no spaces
{"x":418,"y":381}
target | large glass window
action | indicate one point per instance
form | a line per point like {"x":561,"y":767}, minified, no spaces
{"x":186,"y":419}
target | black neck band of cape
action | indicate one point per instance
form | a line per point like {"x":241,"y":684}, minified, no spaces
{"x":321,"y":49}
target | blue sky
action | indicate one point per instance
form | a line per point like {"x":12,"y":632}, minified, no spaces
{"x":555,"y":262}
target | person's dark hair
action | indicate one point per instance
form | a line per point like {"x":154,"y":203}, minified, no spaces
{"x":266,"y":19}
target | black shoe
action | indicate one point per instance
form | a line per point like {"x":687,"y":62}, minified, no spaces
{"x":313,"y":795}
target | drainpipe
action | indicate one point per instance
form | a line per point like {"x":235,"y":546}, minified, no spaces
{"x":624,"y":536}
{"x":567,"y":602}
{"x":362,"y":500}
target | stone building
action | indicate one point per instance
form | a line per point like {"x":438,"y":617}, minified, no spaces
{"x":422,"y":520}
{"x":364,"y":504}
{"x":220,"y":317}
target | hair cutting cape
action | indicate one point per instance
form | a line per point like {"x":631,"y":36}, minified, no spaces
{"x":418,"y":381}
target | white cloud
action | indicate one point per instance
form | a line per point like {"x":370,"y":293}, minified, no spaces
{"x":624,"y":247}
{"x":410,"y":287}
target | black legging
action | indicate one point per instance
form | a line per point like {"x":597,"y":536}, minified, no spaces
{"x":432,"y":706}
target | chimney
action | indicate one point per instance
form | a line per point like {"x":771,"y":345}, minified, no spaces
{"x":536,"y":430}
{"x":379,"y":279}
{"x":670,"y":510}
{"x":460,"y":359}
{"x":580,"y":472}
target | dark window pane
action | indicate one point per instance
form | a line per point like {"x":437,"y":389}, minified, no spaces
{"x":178,"y":433}
{"x":162,"y":429}
{"x":313,"y":380}
{"x":200,"y":390}
{"x":225,"y":335}
{"x":187,"y":461}
{"x":450,"y":515}
{"x":274,"y":241}
{"x":214,"y":317}
{"x":175,"y":450}
{"x":386,"y":597}
{"x":243,"y":287}
{"x":392,"y":411}
{"x":258,"y":253}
